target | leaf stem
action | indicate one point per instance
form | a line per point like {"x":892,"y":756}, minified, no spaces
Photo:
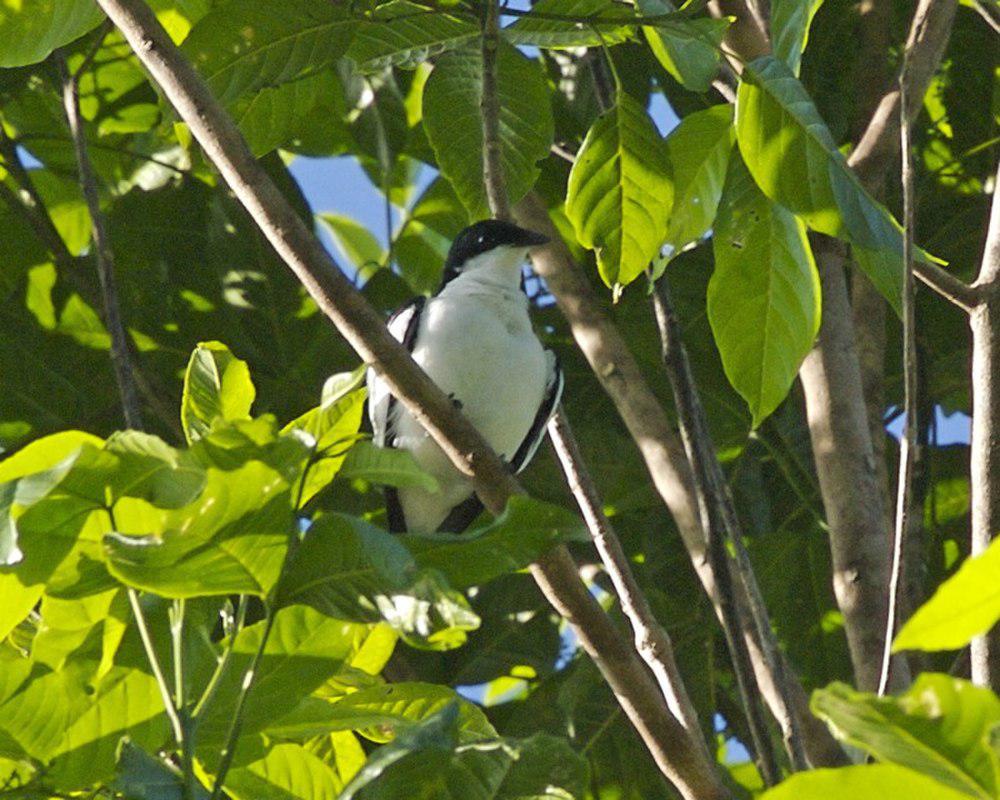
{"x":205,"y":701}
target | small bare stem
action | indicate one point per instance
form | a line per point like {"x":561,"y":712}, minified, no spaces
{"x":908,"y":443}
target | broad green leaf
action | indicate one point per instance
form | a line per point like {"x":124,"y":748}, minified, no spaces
{"x":145,"y":777}
{"x":790,"y":21}
{"x":285,"y":772}
{"x":454,"y":125}
{"x":382,"y":710}
{"x":795,"y":161}
{"x":620,"y":191}
{"x":941,"y":727}
{"x":232,"y":540}
{"x":608,"y":25}
{"x":356,"y":243}
{"x":274,"y":116}
{"x":764,"y":295}
{"x":868,"y":782}
{"x":687,"y":48}
{"x":699,"y":150}
{"x":431,"y":755}
{"x":125,"y":701}
{"x":526,"y":529}
{"x":386,"y":466}
{"x":243,"y":45}
{"x":964,"y":606}
{"x":90,"y":627}
{"x":31,"y":29}
{"x":333,"y":427}
{"x":217,"y":386}
{"x":304,"y":650}
{"x":350,"y":569}
{"x":399,"y":35}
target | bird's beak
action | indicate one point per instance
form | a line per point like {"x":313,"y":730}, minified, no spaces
{"x":528,"y":238}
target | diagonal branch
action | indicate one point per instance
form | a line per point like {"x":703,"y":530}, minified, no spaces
{"x":120,"y":358}
{"x":681,"y":762}
{"x":616,"y":368}
{"x":908,"y":445}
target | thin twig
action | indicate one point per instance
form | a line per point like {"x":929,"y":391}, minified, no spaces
{"x":29,"y":203}
{"x":120,"y":357}
{"x":908,"y":443}
{"x":652,"y":642}
{"x":154,"y":662}
{"x":177,"y":614}
{"x":207,"y":696}
{"x":714,"y":523}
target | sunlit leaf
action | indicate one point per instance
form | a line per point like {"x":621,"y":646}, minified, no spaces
{"x":620,"y":192}
{"x":31,"y":29}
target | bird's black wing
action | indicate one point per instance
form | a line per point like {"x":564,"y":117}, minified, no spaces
{"x":403,"y":325}
{"x":553,"y":393}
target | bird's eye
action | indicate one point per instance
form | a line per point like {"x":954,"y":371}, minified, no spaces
{"x":480,"y":239}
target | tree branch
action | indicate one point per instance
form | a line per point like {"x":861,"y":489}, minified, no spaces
{"x":908,"y":444}
{"x":721,"y":523}
{"x":652,"y":641}
{"x":681,"y":762}
{"x":120,"y":357}
{"x":489,"y":108}
{"x":29,"y":204}
{"x":985,"y":457}
{"x":616,"y":368}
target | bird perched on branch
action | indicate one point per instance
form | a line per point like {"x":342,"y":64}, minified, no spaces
{"x":474,"y":339}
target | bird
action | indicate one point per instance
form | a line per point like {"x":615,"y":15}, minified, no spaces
{"x":473,"y":337}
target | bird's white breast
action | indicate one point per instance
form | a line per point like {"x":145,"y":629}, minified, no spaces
{"x":476,"y":342}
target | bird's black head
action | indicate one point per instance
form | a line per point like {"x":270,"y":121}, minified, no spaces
{"x":482,"y":237}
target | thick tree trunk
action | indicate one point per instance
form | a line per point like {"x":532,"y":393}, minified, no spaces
{"x":848,"y":475}
{"x":985,"y":466}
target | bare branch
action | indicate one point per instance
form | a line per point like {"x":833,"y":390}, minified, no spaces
{"x":617,"y":370}
{"x":120,"y":357}
{"x":679,"y":760}
{"x":651,"y":640}
{"x":908,"y":445}
{"x":985,"y":457}
{"x":721,"y":522}
{"x":29,"y":204}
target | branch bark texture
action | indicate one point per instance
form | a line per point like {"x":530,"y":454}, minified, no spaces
{"x":985,"y":460}
{"x":681,"y":762}
{"x":120,"y":358}
{"x":616,"y":368}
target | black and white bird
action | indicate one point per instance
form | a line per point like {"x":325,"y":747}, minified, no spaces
{"x":474,"y":339}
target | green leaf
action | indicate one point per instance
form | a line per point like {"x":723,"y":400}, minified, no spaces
{"x":764,"y":295}
{"x":243,"y":45}
{"x":217,"y":386}
{"x":790,"y":21}
{"x":287,"y":771}
{"x":31,"y":29}
{"x":795,"y":161}
{"x":431,"y":755}
{"x":382,"y":710}
{"x":140,"y":776}
{"x":399,"y":35}
{"x":275,"y":116}
{"x":454,"y":126}
{"x":963,"y":607}
{"x":868,"y":782}
{"x":526,"y":529}
{"x":356,"y":243}
{"x":304,"y":650}
{"x":125,"y":701}
{"x":699,"y":150}
{"x":333,"y":428}
{"x":941,"y":727}
{"x":609,"y":25}
{"x":347,"y":568}
{"x":387,"y":466}
{"x":687,"y":48}
{"x":620,"y":191}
